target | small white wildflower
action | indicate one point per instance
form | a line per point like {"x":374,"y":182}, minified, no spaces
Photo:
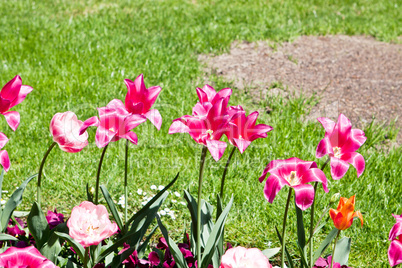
{"x":139,"y":191}
{"x":174,"y":201}
{"x":183,"y":203}
{"x":177,"y":194}
{"x":161,"y":187}
{"x":153,"y":187}
{"x":122,"y":201}
{"x":162,"y":212}
{"x":3,"y":201}
{"x":167,"y":210}
{"x":144,"y":193}
{"x":171,"y":214}
{"x":144,"y":203}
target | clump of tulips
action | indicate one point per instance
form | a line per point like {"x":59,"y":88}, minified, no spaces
{"x":88,"y":238}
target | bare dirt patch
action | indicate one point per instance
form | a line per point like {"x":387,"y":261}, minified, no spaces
{"x":355,"y":75}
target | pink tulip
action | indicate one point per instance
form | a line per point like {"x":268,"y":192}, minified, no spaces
{"x":113,"y":125}
{"x":340,"y":143}
{"x":395,"y":249}
{"x":4,"y":159}
{"x":240,"y":257}
{"x":242,"y":130}
{"x":89,"y":224}
{"x":139,"y":100}
{"x":206,"y":126}
{"x":209,"y":94}
{"x":12,"y":94}
{"x":295,"y":173}
{"x":24,"y":257}
{"x":65,"y":129}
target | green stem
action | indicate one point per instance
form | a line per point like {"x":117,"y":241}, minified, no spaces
{"x":125,"y":184}
{"x":86,"y":256}
{"x":38,"y":190}
{"x":226,"y":170}
{"x":285,"y":216}
{"x":311,"y":239}
{"x":98,"y":174}
{"x":333,"y":252}
{"x":202,"y":162}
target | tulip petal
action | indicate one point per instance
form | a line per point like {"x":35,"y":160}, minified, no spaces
{"x":117,"y":105}
{"x":315,"y":174}
{"x":357,"y":160}
{"x":206,"y":94}
{"x":341,"y":131}
{"x":242,"y":144}
{"x":260,"y":131}
{"x":395,"y":253}
{"x":356,"y":139}
{"x":327,"y":123}
{"x":216,"y":148}
{"x":272,"y":186}
{"x":223,"y":93}
{"x":11,"y":89}
{"x":338,"y":168}
{"x":132,"y":121}
{"x":90,"y":122}
{"x":396,"y":231}
{"x":178,"y":127}
{"x":151,"y":95}
{"x":13,"y":119}
{"x":304,"y":195}
{"x":131,"y":136}
{"x":359,"y":215}
{"x":24,"y":91}
{"x":324,"y":147}
{"x":155,"y":117}
{"x":333,"y":213}
{"x":3,"y":140}
{"x":103,"y":137}
{"x":5,"y":160}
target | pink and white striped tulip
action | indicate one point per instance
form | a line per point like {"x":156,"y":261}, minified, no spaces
{"x":240,"y":257}
{"x":340,"y":143}
{"x":24,"y":257}
{"x":4,"y":159}
{"x":294,"y":173}
{"x":12,"y":94}
{"x":65,"y":129}
{"x":395,"y":249}
{"x":89,"y":224}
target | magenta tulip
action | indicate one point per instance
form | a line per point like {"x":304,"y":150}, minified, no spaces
{"x":209,"y":94}
{"x":206,"y":126}
{"x":340,"y":143}
{"x":240,"y":257}
{"x":89,"y":224}
{"x":24,"y":257}
{"x":12,"y":94}
{"x":395,"y":249}
{"x":295,"y":173}
{"x":242,"y":130}
{"x":4,"y":159}
{"x":65,"y":129}
{"x":113,"y":126}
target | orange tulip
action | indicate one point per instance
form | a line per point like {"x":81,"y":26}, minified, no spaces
{"x":344,"y":214}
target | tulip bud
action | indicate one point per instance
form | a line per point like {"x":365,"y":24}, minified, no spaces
{"x":334,"y":199}
{"x":92,"y":190}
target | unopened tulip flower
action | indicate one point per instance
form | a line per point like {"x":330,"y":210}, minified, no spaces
{"x":344,"y":214}
{"x":65,"y":129}
{"x":242,"y":129}
{"x":89,"y":224}
{"x":209,"y":94}
{"x":4,"y":159}
{"x":12,"y":94}
{"x":340,"y":143}
{"x":53,"y":218}
{"x":395,"y":249}
{"x":24,"y":257}
{"x":113,"y":126}
{"x":240,"y":257}
{"x":295,"y":173}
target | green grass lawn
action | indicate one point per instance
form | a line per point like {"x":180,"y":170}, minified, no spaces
{"x":76,"y":55}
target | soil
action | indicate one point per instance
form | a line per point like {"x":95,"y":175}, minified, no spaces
{"x":354,"y":75}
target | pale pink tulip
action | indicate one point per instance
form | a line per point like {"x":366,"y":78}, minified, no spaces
{"x":4,"y":159}
{"x":395,"y":249}
{"x":24,"y":257}
{"x":12,"y":94}
{"x":65,"y":129}
{"x":240,"y":257}
{"x":340,"y":143}
{"x":89,"y":224}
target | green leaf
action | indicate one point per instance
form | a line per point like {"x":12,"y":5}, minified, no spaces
{"x":38,"y":226}
{"x":215,"y":235}
{"x":270,"y":252}
{"x":290,"y":261}
{"x":174,"y":249}
{"x":112,"y":207}
{"x":342,"y":251}
{"x":303,"y":257}
{"x":51,"y":248}
{"x":76,"y":246}
{"x":324,"y":245}
{"x":143,"y":247}
{"x":6,"y":237}
{"x":301,"y":235}
{"x":89,"y":195}
{"x":1,"y":182}
{"x":13,"y":202}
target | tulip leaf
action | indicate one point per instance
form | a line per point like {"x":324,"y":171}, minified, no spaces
{"x":270,"y":252}
{"x":51,"y":248}
{"x":143,"y":246}
{"x":6,"y":237}
{"x":1,"y":182}
{"x":301,"y":235}
{"x":290,"y":261}
{"x":38,"y":226}
{"x":174,"y":249}
{"x":215,"y":235}
{"x":342,"y":251}
{"x":112,"y":207}
{"x":303,"y":257}
{"x":324,"y":245}
{"x":219,"y":248}
{"x":89,"y":195}
{"x":76,"y":246}
{"x":13,"y":202}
